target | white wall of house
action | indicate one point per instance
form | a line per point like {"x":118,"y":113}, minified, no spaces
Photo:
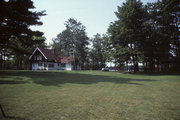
{"x":110,"y":64}
{"x":34,"y":66}
{"x":68,"y":66}
{"x":46,"y":66}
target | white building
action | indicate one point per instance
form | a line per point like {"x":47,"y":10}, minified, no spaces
{"x":49,"y":59}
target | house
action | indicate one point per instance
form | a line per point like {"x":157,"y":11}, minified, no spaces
{"x":67,"y":63}
{"x":49,"y":59}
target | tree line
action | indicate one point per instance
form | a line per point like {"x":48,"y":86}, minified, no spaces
{"x":143,"y":33}
{"x":89,"y":53}
{"x":146,"y":34}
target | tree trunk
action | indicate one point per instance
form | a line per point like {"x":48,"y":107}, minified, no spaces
{"x":134,"y":64}
{"x":4,"y":60}
{"x":1,"y":60}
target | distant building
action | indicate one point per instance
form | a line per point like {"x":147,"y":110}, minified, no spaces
{"x":49,"y":59}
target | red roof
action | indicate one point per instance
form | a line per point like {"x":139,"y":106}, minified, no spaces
{"x":67,"y":59}
{"x":51,"y":54}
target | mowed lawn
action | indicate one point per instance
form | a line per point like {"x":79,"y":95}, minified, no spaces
{"x":89,"y":95}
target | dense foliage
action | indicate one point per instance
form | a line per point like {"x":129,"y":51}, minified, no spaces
{"x":99,"y":52}
{"x":73,"y":41}
{"x":148,"y":34}
{"x":16,"y":38}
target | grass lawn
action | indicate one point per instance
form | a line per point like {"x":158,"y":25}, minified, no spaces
{"x":89,"y":95}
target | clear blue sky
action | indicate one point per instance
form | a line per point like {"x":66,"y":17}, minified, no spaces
{"x":95,"y":15}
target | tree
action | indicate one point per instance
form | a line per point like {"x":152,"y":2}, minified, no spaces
{"x":99,"y":51}
{"x":127,"y":33}
{"x":63,"y":43}
{"x":162,"y":35}
{"x":73,"y":41}
{"x":16,"y":37}
{"x":152,"y":44}
{"x":170,"y":21}
{"x":149,"y":34}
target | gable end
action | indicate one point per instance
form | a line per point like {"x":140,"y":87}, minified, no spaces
{"x":35,"y":52}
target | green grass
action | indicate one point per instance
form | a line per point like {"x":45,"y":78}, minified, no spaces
{"x":89,"y":95}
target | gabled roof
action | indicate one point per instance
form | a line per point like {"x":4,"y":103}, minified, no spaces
{"x":49,"y":54}
{"x":67,"y":59}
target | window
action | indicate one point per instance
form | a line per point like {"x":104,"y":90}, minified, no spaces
{"x":39,"y":64}
{"x":35,"y":57}
{"x":45,"y":65}
{"x":39,"y":57}
{"x":63,"y":65}
{"x":51,"y":65}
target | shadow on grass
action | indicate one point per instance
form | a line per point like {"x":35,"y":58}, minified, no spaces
{"x":12,"y":82}
{"x":155,"y":73}
{"x":59,"y":78}
{"x":13,"y":118}
{"x":11,"y":79}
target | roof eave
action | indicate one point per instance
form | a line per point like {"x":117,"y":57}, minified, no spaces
{"x":39,"y":51}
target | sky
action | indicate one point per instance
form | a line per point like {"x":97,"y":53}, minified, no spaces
{"x":95,"y":15}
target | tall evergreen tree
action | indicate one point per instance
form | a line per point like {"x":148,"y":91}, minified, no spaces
{"x":152,"y":45}
{"x":163,"y":34}
{"x":16,"y":37}
{"x":170,"y":22}
{"x":127,"y":32}
{"x":147,"y":33}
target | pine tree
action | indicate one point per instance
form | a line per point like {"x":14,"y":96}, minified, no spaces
{"x":16,"y":37}
{"x":171,"y":24}
{"x":163,"y":27}
{"x":127,"y":33}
